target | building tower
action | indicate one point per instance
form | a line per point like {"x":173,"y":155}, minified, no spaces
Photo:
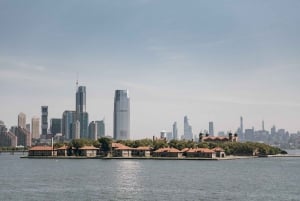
{"x":35,"y":127}
{"x":187,"y":132}
{"x":211,"y":128}
{"x":241,"y":125}
{"x":263,"y":125}
{"x":44,"y":123}
{"x":55,"y":125}
{"x":68,"y":118}
{"x":101,"y":128}
{"x":22,"y":120}
{"x":81,"y":99}
{"x":81,"y":114}
{"x":175,"y":131}
{"x":121,"y":115}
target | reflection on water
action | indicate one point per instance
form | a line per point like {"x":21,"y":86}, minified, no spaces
{"x":126,"y":178}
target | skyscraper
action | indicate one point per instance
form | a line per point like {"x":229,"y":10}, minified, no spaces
{"x":175,"y":131}
{"x":101,"y":128}
{"x":55,"y":125}
{"x":81,"y":99}
{"x":93,"y":131}
{"x":81,"y":114}
{"x":67,"y":119}
{"x":211,"y":128}
{"x":44,"y":120}
{"x":241,"y":125}
{"x":83,"y":118}
{"x":76,"y":130}
{"x":187,"y":132}
{"x":35,"y":127}
{"x":22,"y":120}
{"x":121,"y":115}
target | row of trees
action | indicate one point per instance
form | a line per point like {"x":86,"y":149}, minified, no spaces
{"x":231,"y":148}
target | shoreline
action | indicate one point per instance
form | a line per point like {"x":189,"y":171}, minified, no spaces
{"x":160,"y":158}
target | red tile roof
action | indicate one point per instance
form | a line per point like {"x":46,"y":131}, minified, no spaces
{"x":218,"y":149}
{"x":172,"y":150}
{"x":119,"y":146}
{"x":202,"y":150}
{"x":41,"y":148}
{"x":88,"y":148}
{"x":143,"y":148}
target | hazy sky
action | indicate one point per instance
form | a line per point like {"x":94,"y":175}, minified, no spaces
{"x":209,"y":60}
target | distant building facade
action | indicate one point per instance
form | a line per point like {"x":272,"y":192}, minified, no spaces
{"x":22,"y":120}
{"x":55,"y":125}
{"x":67,"y":120}
{"x":121,"y":115}
{"x":187,"y":133}
{"x":44,"y":117}
{"x":175,"y":131}
{"x":35,"y":127}
{"x":211,"y":128}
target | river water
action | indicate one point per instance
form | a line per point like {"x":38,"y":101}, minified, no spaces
{"x":276,"y":179}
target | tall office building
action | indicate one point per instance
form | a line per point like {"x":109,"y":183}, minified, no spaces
{"x":101,"y":128}
{"x":76,"y":130}
{"x":55,"y":125}
{"x":83,"y":118}
{"x":35,"y":127}
{"x":121,"y":115}
{"x":93,"y":130}
{"x":44,"y":124}
{"x":81,"y":115}
{"x":22,"y":120}
{"x":211,"y":128}
{"x":187,"y":132}
{"x":67,"y":119}
{"x":81,"y":99}
{"x":28,"y":126}
{"x":241,"y":125}
{"x":175,"y":131}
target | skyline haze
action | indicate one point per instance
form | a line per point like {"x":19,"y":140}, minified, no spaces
{"x":211,"y":61}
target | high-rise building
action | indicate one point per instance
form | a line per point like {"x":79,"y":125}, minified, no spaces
{"x":55,"y":125}
{"x":241,"y":125}
{"x":67,"y":119}
{"x":76,"y":130}
{"x":22,"y":120}
{"x":35,"y":127}
{"x":28,"y":126}
{"x":121,"y":115}
{"x":84,"y":124}
{"x":81,"y":114}
{"x":175,"y":131}
{"x":7,"y":138}
{"x":100,"y":128}
{"x":188,"y":134}
{"x":81,"y":99}
{"x":211,"y":128}
{"x":93,"y":130}
{"x":44,"y":124}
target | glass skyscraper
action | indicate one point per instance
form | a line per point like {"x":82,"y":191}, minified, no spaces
{"x":67,"y":119}
{"x":121,"y":115}
{"x":81,"y":99}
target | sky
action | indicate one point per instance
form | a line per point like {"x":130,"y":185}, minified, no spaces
{"x":209,"y":60}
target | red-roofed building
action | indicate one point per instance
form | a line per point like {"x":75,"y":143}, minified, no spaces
{"x":120,"y":150}
{"x":167,"y":152}
{"x":142,"y":152}
{"x":201,"y":153}
{"x":88,"y":151}
{"x":42,"y":151}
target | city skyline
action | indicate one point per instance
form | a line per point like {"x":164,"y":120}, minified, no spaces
{"x":211,"y":61}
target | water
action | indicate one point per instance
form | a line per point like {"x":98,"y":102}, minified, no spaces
{"x":247,"y":179}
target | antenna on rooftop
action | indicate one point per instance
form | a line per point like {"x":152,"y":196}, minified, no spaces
{"x":77,"y":80}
